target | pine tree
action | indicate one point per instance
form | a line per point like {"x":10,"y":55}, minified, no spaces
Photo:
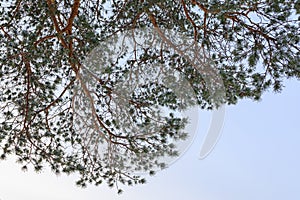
{"x":62,"y":107}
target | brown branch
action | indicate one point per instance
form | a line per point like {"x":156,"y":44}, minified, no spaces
{"x":234,"y":18}
{"x":43,"y":39}
{"x":204,"y":9}
{"x":153,"y":20}
{"x":26,"y":124}
{"x":28,"y":69}
{"x":15,"y":11}
{"x":74,"y":13}
{"x":68,"y":29}
{"x":190,"y":19}
{"x":5,"y":33}
{"x":56,"y":100}
{"x":204,"y":24}
{"x":51,"y":5}
{"x":94,"y":112}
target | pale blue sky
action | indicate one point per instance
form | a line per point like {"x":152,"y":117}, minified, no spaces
{"x":257,"y":158}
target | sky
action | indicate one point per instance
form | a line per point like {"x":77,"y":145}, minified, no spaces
{"x":257,"y":157}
